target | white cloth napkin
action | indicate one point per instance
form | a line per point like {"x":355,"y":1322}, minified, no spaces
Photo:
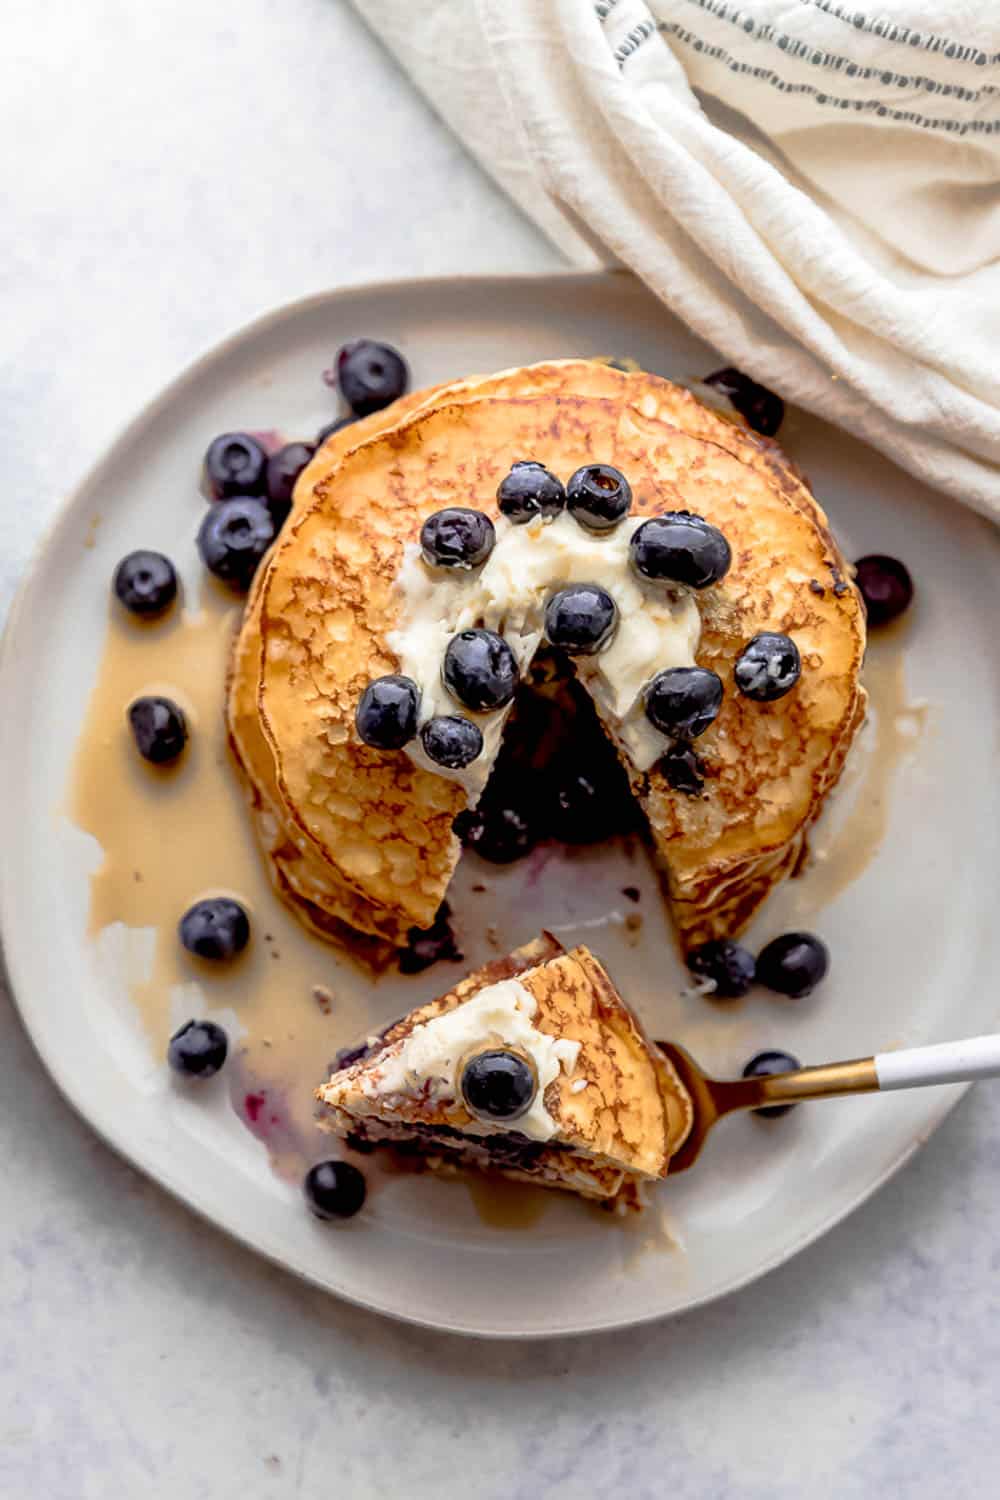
{"x":812,"y":185}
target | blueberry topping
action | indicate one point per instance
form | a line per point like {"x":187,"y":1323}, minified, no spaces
{"x":500,"y":833}
{"x":793,"y":964}
{"x":451,"y":741}
{"x":283,"y":469}
{"x":145,"y":582}
{"x":216,"y":928}
{"x":233,"y":538}
{"x":730,"y":966}
{"x":334,"y":1189}
{"x":387,"y":712}
{"x":598,"y":496}
{"x":498,"y":1085}
{"x":768,"y":668}
{"x":457,"y":538}
{"x":886,"y":587}
{"x":430,"y":945}
{"x":683,"y":701}
{"x":371,"y":376}
{"x":198,"y":1049}
{"x":680,"y":548}
{"x":529,"y":491}
{"x":235,"y":464}
{"x":763,"y":1065}
{"x":683,"y":770}
{"x":761,"y":408}
{"x":480,"y":670}
{"x":159,"y":729}
{"x":332,"y":427}
{"x":581,"y":619}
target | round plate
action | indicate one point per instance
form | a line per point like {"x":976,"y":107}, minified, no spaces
{"x":911,"y":936}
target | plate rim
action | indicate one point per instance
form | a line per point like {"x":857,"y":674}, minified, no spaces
{"x":103,"y":1124}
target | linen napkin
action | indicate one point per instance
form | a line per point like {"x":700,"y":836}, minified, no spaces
{"x":812,"y":185}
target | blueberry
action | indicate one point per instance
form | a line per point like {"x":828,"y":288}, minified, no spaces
{"x":581,"y":619}
{"x":480,"y":670}
{"x":216,"y":928}
{"x":680,"y":548}
{"x":370,"y":375}
{"x":762,"y":409}
{"x":529,"y":491}
{"x":283,"y":469}
{"x":586,"y":810}
{"x":386,"y":717}
{"x":159,"y":729}
{"x":500,"y":833}
{"x":235,"y":464}
{"x":334,"y":1189}
{"x":233,"y":538}
{"x":332,"y":427}
{"x":430,"y":945}
{"x":451,"y":741}
{"x":768,"y":668}
{"x":683,"y":770}
{"x":763,"y":1065}
{"x":598,"y":496}
{"x":457,"y":538}
{"x":886,"y":587}
{"x":198,"y":1049}
{"x":683,"y":701}
{"x":793,"y":964}
{"x":498,"y":1085}
{"x":731,"y":967}
{"x":145,"y":582}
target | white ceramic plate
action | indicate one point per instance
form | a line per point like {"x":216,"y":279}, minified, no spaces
{"x":912,"y":937}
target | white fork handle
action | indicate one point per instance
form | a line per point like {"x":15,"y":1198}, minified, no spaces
{"x":947,"y":1062}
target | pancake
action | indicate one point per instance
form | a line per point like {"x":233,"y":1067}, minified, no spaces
{"x":607,"y":1113}
{"x":367,"y":835}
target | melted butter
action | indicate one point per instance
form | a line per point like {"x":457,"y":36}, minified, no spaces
{"x":171,"y":835}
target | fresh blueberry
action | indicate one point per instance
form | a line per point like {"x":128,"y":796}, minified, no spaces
{"x":598,"y":496}
{"x":217,"y":928}
{"x":334,"y":1189}
{"x":451,"y":741}
{"x":430,"y":945}
{"x":500,"y":833}
{"x":145,"y":582}
{"x":793,"y":964}
{"x":480,"y":670}
{"x":198,"y":1049}
{"x":683,"y":701}
{"x":457,"y":537}
{"x":332,"y":427}
{"x":233,"y":538}
{"x":498,"y":1085}
{"x":762,"y":409}
{"x":730,"y":966}
{"x":529,"y":491}
{"x":680,"y":548}
{"x":283,"y":469}
{"x":581,"y":619}
{"x":370,"y":375}
{"x":764,"y":1065}
{"x":235,"y":464}
{"x":886,"y":587}
{"x":683,"y":770}
{"x":387,"y":712}
{"x":159,"y":729}
{"x":768,"y":668}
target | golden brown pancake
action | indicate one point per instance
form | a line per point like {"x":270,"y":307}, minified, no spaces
{"x":609,"y":1117}
{"x":366,"y":835}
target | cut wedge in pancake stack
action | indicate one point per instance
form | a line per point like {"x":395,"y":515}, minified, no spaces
{"x":361,"y":840}
{"x":601,"y":1110}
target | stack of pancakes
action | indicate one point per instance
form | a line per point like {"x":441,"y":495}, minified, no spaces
{"x":359,"y":841}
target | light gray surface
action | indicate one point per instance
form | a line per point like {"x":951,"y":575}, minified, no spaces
{"x":171,"y":171}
